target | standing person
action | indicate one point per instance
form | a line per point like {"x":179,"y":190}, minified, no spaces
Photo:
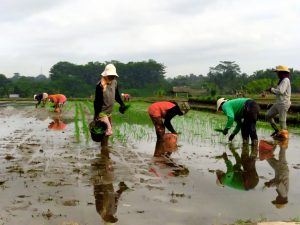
{"x":283,"y":102}
{"x":58,"y":100}
{"x":161,"y":114}
{"x":106,"y":94}
{"x":244,"y":112}
{"x":281,"y":178}
{"x":42,"y":97}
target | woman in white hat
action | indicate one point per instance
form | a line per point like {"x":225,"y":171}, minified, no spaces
{"x":42,"y":97}
{"x":283,"y":102}
{"x":106,"y":94}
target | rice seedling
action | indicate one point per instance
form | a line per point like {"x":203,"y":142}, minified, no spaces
{"x":84,"y":122}
{"x":76,"y":122}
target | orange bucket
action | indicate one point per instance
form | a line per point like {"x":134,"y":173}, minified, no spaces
{"x":170,"y":142}
{"x":265,"y":146}
{"x":265,"y":150}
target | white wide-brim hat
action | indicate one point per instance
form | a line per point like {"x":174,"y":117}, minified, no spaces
{"x":110,"y":70}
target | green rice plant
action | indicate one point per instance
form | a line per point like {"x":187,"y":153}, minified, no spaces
{"x":76,"y":122}
{"x":90,"y":106}
{"x":241,"y":221}
{"x":295,"y":219}
{"x":84,"y":122}
{"x":68,"y":106}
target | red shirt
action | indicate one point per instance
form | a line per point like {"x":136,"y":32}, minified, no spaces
{"x":158,"y":109}
{"x":57,"y":98}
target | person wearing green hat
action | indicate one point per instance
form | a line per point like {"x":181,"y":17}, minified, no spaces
{"x":282,"y":104}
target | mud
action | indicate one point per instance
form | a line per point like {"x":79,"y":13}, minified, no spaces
{"x":47,"y":177}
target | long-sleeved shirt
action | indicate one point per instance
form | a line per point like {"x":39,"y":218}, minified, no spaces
{"x":166,"y":110}
{"x":234,"y":110}
{"x":233,"y":177}
{"x":57,"y":98}
{"x":104,"y":100}
{"x":283,"y":92}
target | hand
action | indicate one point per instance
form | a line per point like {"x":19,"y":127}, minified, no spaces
{"x":225,"y":131}
{"x":268,"y":89}
{"x":231,"y":137}
{"x":225,"y":156}
{"x":122,"y":109}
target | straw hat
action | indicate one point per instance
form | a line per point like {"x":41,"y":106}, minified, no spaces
{"x":282,"y":68}
{"x":184,"y":107}
{"x":220,"y":101}
{"x":110,"y":70}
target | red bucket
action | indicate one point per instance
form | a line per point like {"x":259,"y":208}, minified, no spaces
{"x":265,"y":146}
{"x":170,"y":142}
{"x":265,"y":149}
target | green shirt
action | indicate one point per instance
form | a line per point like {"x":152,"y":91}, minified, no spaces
{"x":233,"y":178}
{"x":234,"y":110}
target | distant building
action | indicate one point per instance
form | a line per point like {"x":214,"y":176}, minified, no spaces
{"x":14,"y":96}
{"x":184,"y":90}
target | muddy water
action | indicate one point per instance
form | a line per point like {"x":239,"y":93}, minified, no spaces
{"x":47,"y":177}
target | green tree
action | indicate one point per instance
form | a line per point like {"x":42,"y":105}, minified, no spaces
{"x":227,"y":77}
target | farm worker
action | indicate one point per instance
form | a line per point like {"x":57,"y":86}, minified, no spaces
{"x":242,"y":175}
{"x":58,"y":100}
{"x":126,"y":97}
{"x":281,"y":179}
{"x":42,"y":97}
{"x":244,"y":112}
{"x":57,"y":124}
{"x":106,"y":197}
{"x":283,"y":102}
{"x":161,"y":114}
{"x":106,"y":94}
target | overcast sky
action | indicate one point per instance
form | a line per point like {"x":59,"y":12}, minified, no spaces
{"x":187,"y":36}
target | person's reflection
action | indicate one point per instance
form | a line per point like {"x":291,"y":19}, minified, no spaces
{"x":281,"y":179}
{"x":242,"y":175}
{"x":106,"y":199}
{"x":57,"y":124}
{"x":162,"y":153}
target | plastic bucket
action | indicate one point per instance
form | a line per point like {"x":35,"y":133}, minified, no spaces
{"x":265,"y":150}
{"x":265,"y":146}
{"x":170,"y":142}
{"x":97,"y":130}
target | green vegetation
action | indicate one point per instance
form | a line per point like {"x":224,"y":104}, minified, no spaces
{"x":76,"y":122}
{"x":142,"y":79}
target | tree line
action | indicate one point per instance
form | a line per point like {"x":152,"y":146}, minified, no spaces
{"x":144,"y":78}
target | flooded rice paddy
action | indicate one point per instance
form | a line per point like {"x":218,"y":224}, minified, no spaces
{"x":51,"y":172}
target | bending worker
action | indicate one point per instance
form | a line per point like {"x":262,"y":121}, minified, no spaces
{"x":42,"y":97}
{"x":161,"y":114}
{"x":244,"y":112}
{"x":58,"y":100}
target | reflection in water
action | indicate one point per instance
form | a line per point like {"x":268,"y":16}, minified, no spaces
{"x":162,"y":158}
{"x":281,"y":179}
{"x":242,"y":175}
{"x":57,"y":124}
{"x":106,"y":199}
